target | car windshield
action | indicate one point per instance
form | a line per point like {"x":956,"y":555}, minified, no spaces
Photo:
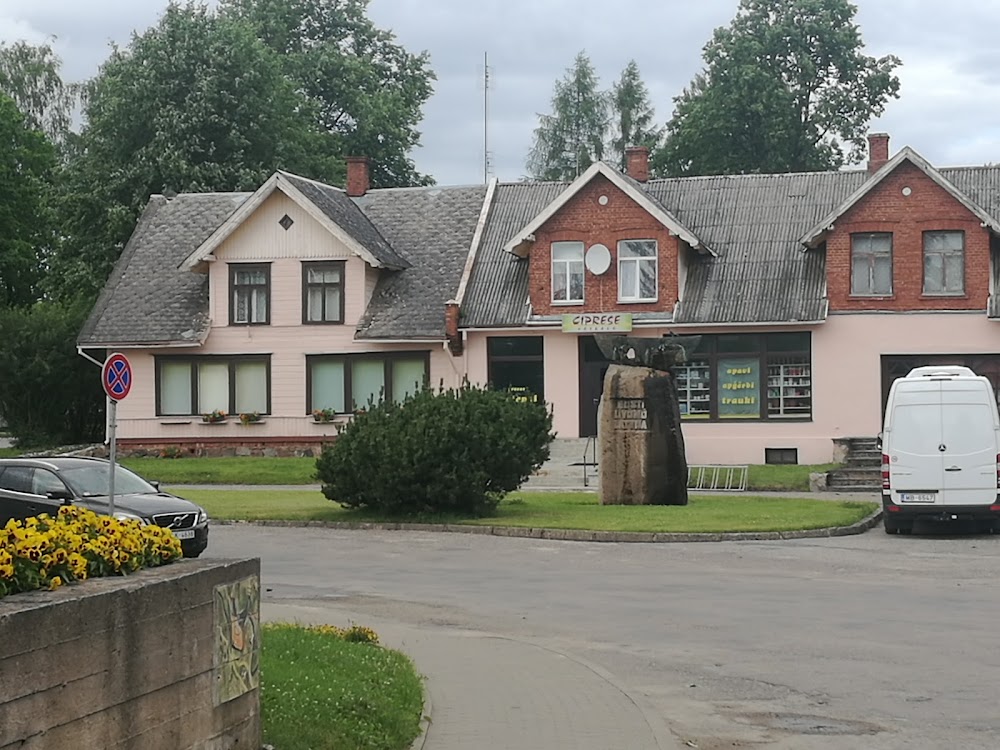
{"x":92,"y":481}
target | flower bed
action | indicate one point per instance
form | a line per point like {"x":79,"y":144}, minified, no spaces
{"x":46,"y":552}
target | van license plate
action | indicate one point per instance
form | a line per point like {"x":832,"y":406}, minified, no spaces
{"x":187,"y":534}
{"x":917,"y":497}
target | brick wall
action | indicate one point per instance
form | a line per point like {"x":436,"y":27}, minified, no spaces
{"x":584,"y":219}
{"x":124,"y":664}
{"x":928,"y":207}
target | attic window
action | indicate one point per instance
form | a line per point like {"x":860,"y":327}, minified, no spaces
{"x":286,"y":222}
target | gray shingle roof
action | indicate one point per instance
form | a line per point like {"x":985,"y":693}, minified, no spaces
{"x":753,"y":224}
{"x":147,"y":299}
{"x":432,"y":229}
{"x":343,"y":212}
{"x":497,"y":294}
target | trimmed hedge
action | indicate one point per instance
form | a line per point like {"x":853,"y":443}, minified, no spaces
{"x":455,"y":451}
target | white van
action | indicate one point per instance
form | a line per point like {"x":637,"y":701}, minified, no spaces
{"x":940,"y":449}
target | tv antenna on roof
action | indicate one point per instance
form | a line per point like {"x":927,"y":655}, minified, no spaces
{"x":486,"y":117}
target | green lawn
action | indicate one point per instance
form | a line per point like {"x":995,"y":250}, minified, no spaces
{"x":230,"y":470}
{"x":323,"y":693}
{"x":555,"y":510}
{"x":260,"y":470}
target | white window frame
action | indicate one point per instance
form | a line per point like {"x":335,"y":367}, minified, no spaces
{"x":638,"y":261}
{"x":864,"y":251}
{"x":564,"y":267}
{"x":944,"y":255}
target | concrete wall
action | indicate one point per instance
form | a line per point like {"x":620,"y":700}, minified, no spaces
{"x":123,"y":663}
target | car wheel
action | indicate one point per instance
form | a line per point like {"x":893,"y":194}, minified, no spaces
{"x":891,"y":527}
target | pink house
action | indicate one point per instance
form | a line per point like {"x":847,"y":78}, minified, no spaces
{"x":811,"y":292}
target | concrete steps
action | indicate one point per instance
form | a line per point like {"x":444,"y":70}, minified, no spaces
{"x":862,"y":470}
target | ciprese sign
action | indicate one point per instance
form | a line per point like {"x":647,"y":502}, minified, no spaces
{"x":596,"y":322}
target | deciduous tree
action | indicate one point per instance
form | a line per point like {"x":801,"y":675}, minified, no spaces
{"x":786,"y":87}
{"x":27,"y":161}
{"x":30,"y":75}
{"x":365,"y":90}
{"x":196,"y":103}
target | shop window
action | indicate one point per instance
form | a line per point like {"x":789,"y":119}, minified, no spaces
{"x":347,"y":382}
{"x":944,"y":262}
{"x":199,"y":385}
{"x":781,"y":456}
{"x":567,"y":272}
{"x":725,"y":378}
{"x":637,"y":271}
{"x":517,"y":364}
{"x":871,"y":264}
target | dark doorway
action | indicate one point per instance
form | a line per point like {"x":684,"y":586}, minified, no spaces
{"x":896,"y":366}
{"x":593,"y":365}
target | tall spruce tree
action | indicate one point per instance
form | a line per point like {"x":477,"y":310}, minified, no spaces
{"x":573,"y":137}
{"x":634,"y":118}
{"x":786,"y":87}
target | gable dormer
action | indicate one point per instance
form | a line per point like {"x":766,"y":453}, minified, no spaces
{"x":907,"y":240}
{"x":297,"y":252}
{"x":602,"y":245}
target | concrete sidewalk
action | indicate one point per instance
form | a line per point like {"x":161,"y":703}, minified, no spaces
{"x":492,"y":692}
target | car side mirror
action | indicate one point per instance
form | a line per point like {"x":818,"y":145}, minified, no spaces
{"x":156,"y":485}
{"x":878,"y":441}
{"x":65,"y":495}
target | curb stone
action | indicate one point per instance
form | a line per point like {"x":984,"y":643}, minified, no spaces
{"x":577,"y":535}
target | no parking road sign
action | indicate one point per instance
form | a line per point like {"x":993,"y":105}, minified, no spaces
{"x":116,"y":377}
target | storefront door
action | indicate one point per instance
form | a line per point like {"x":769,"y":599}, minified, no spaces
{"x":593,"y":366}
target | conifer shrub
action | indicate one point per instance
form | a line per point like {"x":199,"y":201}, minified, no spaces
{"x":455,"y":452}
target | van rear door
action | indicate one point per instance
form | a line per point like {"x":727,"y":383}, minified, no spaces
{"x":969,"y":437}
{"x":914,"y":431}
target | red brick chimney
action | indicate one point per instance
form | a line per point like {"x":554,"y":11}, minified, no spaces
{"x":878,"y":151}
{"x":637,"y":163}
{"x":451,"y":332}
{"x":358,"y":180}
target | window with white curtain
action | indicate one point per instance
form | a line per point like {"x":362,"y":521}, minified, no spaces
{"x":347,"y":382}
{"x":199,"y":385}
{"x":567,"y":272}
{"x":637,"y":267}
{"x":250,"y":285}
{"x":323,"y":292}
{"x":175,"y":388}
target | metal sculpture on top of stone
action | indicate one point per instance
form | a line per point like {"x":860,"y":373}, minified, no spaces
{"x":639,"y":422}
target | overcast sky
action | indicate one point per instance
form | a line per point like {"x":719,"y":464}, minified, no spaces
{"x":948,"y":110}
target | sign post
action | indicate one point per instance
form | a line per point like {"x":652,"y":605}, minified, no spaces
{"x":116,"y":379}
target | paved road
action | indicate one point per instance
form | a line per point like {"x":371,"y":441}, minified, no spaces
{"x":868,"y":641}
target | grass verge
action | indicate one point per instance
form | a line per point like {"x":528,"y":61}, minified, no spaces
{"x":264,"y":470}
{"x":225,"y":470}
{"x":563,"y":510}
{"x":321,"y":692}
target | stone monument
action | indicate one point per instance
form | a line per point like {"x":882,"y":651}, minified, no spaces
{"x":639,"y":422}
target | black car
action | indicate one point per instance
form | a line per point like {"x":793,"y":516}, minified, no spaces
{"x":32,"y":486}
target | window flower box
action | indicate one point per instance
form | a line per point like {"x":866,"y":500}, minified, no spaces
{"x":214,"y":417}
{"x":250,"y":418}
